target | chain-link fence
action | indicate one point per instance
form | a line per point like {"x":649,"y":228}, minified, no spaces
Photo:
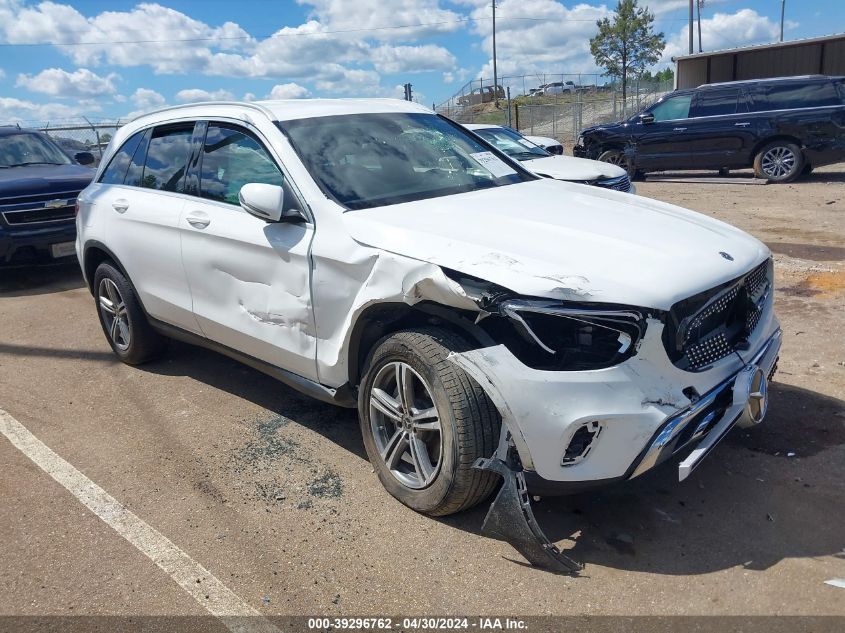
{"x":82,"y":137}
{"x":559,"y":106}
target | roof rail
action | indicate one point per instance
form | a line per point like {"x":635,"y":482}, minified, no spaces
{"x":187,"y":106}
{"x":762,"y":79}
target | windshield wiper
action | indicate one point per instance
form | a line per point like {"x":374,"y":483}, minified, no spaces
{"x":34,"y":162}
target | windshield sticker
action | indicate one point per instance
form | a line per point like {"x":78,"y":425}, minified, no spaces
{"x":493,"y":164}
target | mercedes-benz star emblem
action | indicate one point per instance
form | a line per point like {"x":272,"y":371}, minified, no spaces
{"x":727,"y":256}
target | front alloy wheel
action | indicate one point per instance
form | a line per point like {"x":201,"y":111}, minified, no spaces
{"x":425,"y":421}
{"x":114,"y":313}
{"x":405,"y":425}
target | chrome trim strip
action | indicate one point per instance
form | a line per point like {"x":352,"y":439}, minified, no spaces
{"x":50,"y":195}
{"x":676,"y":423}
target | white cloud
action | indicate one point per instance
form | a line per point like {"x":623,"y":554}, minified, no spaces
{"x":352,"y":82}
{"x":2,"y":73}
{"x":20,"y":111}
{"x":725,"y":30}
{"x":193,"y":95}
{"x":411,"y":59}
{"x":147,"y":99}
{"x":539,"y":36}
{"x":288,"y":91}
{"x":60,"y":83}
{"x":372,"y":14}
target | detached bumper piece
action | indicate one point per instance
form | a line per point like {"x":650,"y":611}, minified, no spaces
{"x":511,"y":519}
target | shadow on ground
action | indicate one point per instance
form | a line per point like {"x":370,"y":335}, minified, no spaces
{"x":749,"y":504}
{"x":334,"y":423}
{"x":22,"y":281}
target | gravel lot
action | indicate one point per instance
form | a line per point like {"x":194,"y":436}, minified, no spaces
{"x":272,"y":493}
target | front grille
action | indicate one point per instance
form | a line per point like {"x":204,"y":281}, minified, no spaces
{"x":620,"y":183}
{"x":710,"y":326}
{"x":46,"y":208}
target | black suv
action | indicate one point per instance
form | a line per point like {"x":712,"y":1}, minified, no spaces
{"x":39,"y":184}
{"x":781,"y":127}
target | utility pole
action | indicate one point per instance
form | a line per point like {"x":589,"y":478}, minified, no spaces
{"x":782,"y":11}
{"x":698,"y":4}
{"x":690,"y":27}
{"x":495,"y":73}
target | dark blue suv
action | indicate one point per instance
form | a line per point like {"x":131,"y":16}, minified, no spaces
{"x":39,"y":184}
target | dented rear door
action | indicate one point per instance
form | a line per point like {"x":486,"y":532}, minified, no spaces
{"x":249,"y":279}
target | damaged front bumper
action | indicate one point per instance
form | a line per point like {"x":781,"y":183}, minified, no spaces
{"x":581,"y":429}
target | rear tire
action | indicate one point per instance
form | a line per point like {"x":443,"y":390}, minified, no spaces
{"x":124,"y":323}
{"x":779,"y":161}
{"x":422,"y":439}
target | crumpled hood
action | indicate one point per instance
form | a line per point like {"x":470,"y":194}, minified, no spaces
{"x":571,"y":168}
{"x":554,"y":239}
{"x":31,"y":180}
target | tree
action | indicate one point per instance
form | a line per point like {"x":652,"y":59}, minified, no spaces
{"x":628,"y":44}
{"x":105,"y":137}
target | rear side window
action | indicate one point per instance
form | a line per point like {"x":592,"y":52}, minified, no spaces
{"x":788,"y":96}
{"x":167,"y":158}
{"x":672,"y":108}
{"x":232,"y":158}
{"x":115,"y":173}
{"x":716,"y":102}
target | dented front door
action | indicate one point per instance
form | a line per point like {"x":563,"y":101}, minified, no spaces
{"x":249,"y":279}
{"x":250,"y":283}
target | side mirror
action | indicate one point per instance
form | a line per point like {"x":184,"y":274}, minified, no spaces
{"x":647,"y":118}
{"x":267,"y":202}
{"x":84,"y":158}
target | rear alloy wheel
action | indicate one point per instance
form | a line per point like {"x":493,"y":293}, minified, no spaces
{"x":124,"y":322}
{"x":425,"y":422}
{"x":779,"y":161}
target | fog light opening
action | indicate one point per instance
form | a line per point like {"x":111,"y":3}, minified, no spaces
{"x":581,"y":443}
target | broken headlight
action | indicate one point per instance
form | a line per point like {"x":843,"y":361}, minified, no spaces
{"x":551,"y":335}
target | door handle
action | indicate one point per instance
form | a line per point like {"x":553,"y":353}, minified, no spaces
{"x":198,"y":221}
{"x":120,"y":205}
{"x":745,"y":123}
{"x":678,"y":129}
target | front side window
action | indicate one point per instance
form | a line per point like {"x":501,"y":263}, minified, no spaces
{"x":26,"y":148}
{"x":672,"y":108}
{"x":788,"y":96}
{"x":511,"y":143}
{"x":167,"y":158}
{"x":232,"y":158}
{"x":115,"y":173}
{"x":716,"y":102}
{"x":372,"y":160}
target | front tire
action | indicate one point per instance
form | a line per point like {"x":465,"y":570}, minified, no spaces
{"x":617,"y":157}
{"x":425,"y":422}
{"x":124,"y":322}
{"x":779,"y":161}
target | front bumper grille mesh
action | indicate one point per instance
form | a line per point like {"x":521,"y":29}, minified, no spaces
{"x":715,"y":325}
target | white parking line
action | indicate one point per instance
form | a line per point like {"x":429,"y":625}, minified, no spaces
{"x":212,"y":594}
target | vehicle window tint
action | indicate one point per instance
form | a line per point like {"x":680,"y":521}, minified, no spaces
{"x":167,"y":158}
{"x":716,"y":102}
{"x":672,"y":108}
{"x":788,"y":95}
{"x":115,"y":173}
{"x":135,"y":175}
{"x":230,"y":160}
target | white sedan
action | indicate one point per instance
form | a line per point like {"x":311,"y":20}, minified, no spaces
{"x":542,"y":163}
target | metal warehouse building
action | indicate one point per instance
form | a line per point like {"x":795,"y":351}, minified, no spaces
{"x":814,"y":56}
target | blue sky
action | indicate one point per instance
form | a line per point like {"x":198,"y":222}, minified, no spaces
{"x":65,"y":58}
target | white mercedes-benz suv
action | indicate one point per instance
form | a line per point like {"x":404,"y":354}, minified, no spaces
{"x":375,"y":255}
